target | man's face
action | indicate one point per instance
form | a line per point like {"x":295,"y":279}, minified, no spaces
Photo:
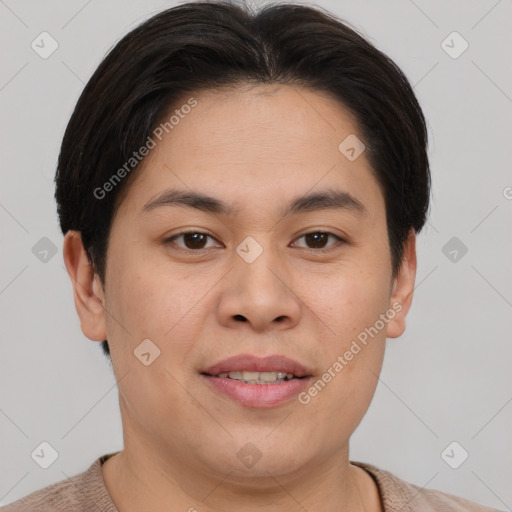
{"x":252,"y":284}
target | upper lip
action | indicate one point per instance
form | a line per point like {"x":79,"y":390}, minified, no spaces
{"x":251,"y":363}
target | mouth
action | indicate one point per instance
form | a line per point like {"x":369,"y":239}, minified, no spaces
{"x":258,"y":382}
{"x":250,"y":367}
{"x":257,"y":377}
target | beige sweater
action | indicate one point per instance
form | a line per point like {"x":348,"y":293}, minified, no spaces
{"x":86,"y":492}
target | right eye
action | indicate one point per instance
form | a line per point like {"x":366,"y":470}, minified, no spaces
{"x":194,"y":241}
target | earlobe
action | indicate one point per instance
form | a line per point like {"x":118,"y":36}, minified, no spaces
{"x":87,"y":289}
{"x":403,"y":288}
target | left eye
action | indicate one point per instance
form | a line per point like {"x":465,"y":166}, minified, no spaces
{"x":318,"y":239}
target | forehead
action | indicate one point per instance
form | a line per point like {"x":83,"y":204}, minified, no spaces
{"x":256,"y":143}
{"x":268,"y":123}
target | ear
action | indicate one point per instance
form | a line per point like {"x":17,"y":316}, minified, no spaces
{"x":87,"y":288}
{"x":403,"y":288}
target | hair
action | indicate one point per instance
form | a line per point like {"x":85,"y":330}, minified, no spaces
{"x":214,"y":44}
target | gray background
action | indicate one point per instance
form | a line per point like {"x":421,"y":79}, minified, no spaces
{"x":446,"y":379}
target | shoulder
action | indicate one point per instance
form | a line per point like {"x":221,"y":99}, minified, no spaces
{"x":397,"y":494}
{"x":79,"y":493}
{"x":56,"y":497}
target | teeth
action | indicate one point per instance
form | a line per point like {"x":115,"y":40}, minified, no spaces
{"x":258,"y":377}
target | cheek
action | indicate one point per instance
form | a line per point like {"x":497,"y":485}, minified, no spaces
{"x":347,"y":300}
{"x":150,"y":302}
{"x":351,"y":348}
{"x":148,"y":298}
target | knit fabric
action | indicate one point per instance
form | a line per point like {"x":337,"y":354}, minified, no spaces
{"x":86,"y":492}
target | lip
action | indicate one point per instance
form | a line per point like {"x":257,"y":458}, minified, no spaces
{"x":250,"y":363}
{"x":258,"y":395}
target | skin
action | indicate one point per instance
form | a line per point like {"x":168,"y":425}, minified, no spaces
{"x":256,"y":149}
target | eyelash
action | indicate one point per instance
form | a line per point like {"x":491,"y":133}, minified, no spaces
{"x":197,"y":251}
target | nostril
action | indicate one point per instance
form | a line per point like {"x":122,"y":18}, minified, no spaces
{"x":241,"y":318}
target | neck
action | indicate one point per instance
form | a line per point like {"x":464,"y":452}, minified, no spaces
{"x":145,"y":480}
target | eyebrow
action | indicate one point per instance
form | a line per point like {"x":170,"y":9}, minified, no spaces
{"x":330,"y":199}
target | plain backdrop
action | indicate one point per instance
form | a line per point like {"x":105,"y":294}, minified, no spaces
{"x":447,"y":379}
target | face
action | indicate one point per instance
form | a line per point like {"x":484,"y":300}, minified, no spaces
{"x":260,"y":273}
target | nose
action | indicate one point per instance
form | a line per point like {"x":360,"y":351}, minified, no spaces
{"x":259,"y":295}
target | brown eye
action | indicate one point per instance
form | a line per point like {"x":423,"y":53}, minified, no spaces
{"x":192,"y":240}
{"x":319,"y":240}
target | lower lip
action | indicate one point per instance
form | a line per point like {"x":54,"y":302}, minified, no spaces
{"x":258,"y":395}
